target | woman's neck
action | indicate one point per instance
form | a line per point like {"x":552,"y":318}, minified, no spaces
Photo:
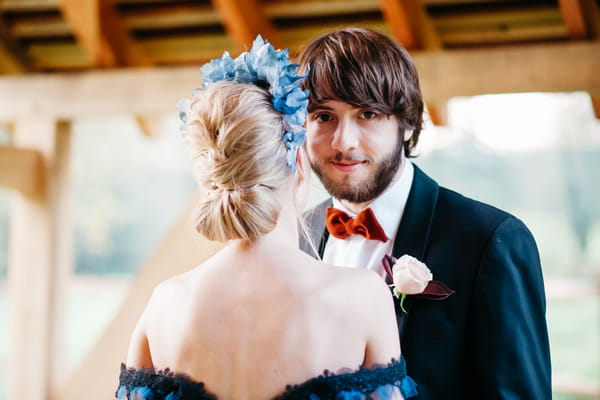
{"x":283,"y":236}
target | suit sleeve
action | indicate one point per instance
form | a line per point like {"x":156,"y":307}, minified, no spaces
{"x":510,"y":355}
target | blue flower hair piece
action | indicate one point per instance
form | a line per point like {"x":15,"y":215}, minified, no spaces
{"x":269,"y":68}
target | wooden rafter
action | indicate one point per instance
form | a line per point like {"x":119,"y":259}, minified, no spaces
{"x":502,"y":26}
{"x":592,"y":18}
{"x":12,"y":58}
{"x":21,"y":170}
{"x":244,"y":19}
{"x":410,"y":24}
{"x":573,"y":15}
{"x":567,"y":66}
{"x":28,"y":5}
{"x":101,"y":33}
{"x":545,"y":68}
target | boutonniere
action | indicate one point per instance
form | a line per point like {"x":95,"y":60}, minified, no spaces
{"x":410,"y":276}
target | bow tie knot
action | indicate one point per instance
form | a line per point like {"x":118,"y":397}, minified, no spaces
{"x":341,"y":225}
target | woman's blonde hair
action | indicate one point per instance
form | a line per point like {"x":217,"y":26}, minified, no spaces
{"x":235,"y":137}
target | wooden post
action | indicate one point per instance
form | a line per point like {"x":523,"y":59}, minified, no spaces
{"x":34,"y":254}
{"x":63,"y":242}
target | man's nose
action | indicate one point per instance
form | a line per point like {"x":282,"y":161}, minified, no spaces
{"x":346,"y":135}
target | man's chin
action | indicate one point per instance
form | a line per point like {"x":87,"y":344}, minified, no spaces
{"x":347,"y":192}
{"x":355,"y":178}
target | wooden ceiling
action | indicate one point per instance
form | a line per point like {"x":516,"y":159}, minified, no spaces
{"x":67,"y":35}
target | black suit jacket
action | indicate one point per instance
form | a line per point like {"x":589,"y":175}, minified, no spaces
{"x":488,"y":340}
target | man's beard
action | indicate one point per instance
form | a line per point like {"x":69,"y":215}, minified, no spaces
{"x":385,"y":171}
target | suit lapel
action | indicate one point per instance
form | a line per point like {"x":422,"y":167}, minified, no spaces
{"x":315,"y":219}
{"x":413,"y":232}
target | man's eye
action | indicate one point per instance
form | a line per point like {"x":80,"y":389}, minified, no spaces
{"x":322,"y":117}
{"x":368,"y":115}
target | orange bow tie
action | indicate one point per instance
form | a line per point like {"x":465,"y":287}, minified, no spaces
{"x":341,"y":225}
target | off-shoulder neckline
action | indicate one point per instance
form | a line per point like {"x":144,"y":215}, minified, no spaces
{"x":363,"y":379}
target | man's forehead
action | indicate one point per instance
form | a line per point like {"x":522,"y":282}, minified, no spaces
{"x":332,"y":103}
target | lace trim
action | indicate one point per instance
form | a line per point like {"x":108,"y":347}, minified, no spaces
{"x":147,"y":383}
{"x":162,"y":384}
{"x":363,"y":380}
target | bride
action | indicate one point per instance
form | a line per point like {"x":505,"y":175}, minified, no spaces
{"x":260,"y":319}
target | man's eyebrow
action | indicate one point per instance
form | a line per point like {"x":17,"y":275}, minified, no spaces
{"x":319,"y":106}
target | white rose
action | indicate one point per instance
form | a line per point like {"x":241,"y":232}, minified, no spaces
{"x":410,"y":275}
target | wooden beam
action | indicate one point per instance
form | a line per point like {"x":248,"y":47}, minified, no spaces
{"x":85,"y":20}
{"x":572,"y":12}
{"x":41,"y":26}
{"x":169,"y":16}
{"x":410,"y":24}
{"x":199,"y":49}
{"x":63,"y":56}
{"x":502,"y":18}
{"x":28,"y":5}
{"x":12,"y":57}
{"x":133,"y":91}
{"x":8,"y":65}
{"x":581,"y":18}
{"x":505,"y":26}
{"x":557,"y":67}
{"x":591,"y":12}
{"x":32,"y":274}
{"x":181,"y":250}
{"x":596,"y":105}
{"x":397,"y":14}
{"x":101,"y":33}
{"x":244,"y":20}
{"x":188,"y":49}
{"x":21,"y":170}
{"x":438,"y":113}
{"x":563,"y":67}
{"x":503,"y":36}
{"x":305,"y":9}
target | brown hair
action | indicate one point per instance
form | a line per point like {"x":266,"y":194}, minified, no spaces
{"x":365,"y":69}
{"x":235,"y":137}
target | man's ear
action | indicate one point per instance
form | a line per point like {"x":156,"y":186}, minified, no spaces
{"x":407,"y":134}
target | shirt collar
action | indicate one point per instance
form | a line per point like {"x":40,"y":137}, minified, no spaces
{"x":389,"y":206}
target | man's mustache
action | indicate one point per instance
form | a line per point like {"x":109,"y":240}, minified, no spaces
{"x":349,"y":157}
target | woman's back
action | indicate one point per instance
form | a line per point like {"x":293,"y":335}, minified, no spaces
{"x":248,"y":323}
{"x":260,"y":315}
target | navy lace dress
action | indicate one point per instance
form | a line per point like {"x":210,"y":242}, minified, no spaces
{"x":362,"y":384}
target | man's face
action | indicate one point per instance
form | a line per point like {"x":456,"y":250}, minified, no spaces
{"x":355,"y":152}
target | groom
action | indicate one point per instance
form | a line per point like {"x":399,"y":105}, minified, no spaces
{"x":489,"y":339}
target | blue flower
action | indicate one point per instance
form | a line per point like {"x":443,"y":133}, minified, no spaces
{"x":218,"y":69}
{"x":266,"y":67}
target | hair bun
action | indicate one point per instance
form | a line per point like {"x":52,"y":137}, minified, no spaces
{"x":237,"y":213}
{"x":241,"y":159}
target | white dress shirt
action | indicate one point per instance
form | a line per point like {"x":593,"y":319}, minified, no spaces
{"x":359,"y":252}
